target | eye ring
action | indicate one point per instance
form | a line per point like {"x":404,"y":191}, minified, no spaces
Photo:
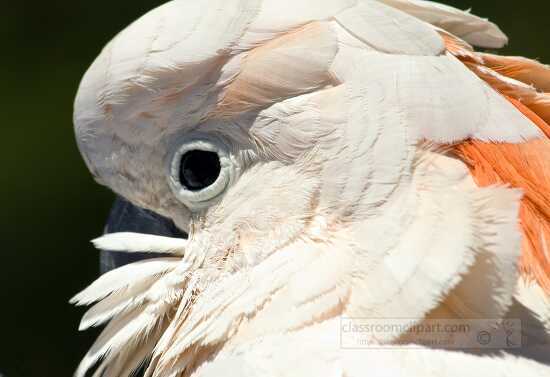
{"x":195,"y":197}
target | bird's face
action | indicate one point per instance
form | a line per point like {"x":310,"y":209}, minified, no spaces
{"x":241,"y":153}
{"x":231,"y":147}
{"x":244,"y":187}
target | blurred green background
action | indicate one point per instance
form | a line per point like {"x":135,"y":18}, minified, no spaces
{"x":52,"y":207}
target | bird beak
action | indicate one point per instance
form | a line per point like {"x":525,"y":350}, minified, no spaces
{"x":126,"y":217}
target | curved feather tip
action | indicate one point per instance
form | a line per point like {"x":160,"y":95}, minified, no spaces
{"x":140,"y":243}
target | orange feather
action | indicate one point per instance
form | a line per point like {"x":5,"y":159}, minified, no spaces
{"x":526,"y":98}
{"x":522,"y":69}
{"x":459,"y":48}
{"x":523,"y":165}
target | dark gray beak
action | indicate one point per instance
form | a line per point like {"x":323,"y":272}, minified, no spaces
{"x":125,"y":217}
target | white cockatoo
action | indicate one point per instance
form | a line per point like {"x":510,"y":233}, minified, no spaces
{"x":331,"y":161}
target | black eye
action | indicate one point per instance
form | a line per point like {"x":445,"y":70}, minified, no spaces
{"x":199,"y":169}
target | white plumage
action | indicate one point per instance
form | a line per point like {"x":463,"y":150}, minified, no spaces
{"x":340,"y":202}
{"x":136,"y":242}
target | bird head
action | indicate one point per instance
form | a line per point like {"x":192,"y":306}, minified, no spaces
{"x":304,"y":154}
{"x":243,"y":141}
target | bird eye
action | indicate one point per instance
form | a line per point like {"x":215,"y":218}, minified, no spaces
{"x":199,"y":171}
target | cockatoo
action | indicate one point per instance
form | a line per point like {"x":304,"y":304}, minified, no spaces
{"x":330,"y":160}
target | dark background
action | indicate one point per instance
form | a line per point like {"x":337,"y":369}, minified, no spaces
{"x":51,"y":207}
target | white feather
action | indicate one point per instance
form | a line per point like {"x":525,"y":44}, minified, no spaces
{"x":463,"y":107}
{"x":140,"y":243}
{"x":124,"y":277}
{"x":139,"y":323}
{"x":117,"y":303}
{"x":475,"y":30}
{"x":389,"y":30}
